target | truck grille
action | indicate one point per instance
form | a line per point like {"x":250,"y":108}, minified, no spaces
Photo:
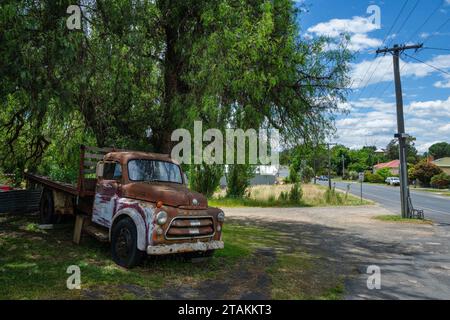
{"x":190,"y":228}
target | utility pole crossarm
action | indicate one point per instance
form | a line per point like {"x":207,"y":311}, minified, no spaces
{"x":397,"y":48}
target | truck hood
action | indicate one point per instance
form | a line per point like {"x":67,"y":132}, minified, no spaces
{"x":171,"y":194}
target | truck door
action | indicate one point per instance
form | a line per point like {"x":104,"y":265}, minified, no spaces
{"x":106,"y":193}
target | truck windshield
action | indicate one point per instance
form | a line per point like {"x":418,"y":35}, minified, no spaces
{"x":153,"y":170}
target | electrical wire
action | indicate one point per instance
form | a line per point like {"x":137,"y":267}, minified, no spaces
{"x":379,"y":61}
{"x":427,"y":64}
{"x":439,"y":49}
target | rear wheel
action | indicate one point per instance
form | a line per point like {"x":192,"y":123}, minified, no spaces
{"x":124,"y":248}
{"x":47,"y":208}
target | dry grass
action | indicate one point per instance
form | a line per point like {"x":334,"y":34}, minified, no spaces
{"x":268,"y":195}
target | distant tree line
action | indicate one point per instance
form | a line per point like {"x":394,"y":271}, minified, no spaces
{"x":312,"y":160}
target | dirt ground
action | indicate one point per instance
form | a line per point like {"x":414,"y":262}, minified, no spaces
{"x":271,"y":253}
{"x":414,"y":259}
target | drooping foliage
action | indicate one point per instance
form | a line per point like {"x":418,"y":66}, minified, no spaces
{"x":140,"y":69}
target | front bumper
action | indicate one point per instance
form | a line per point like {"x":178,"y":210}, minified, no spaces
{"x":184,"y":247}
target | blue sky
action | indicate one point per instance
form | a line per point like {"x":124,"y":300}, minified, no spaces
{"x":372,"y":118}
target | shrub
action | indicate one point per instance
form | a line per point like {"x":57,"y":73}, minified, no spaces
{"x":238,"y":179}
{"x":373,"y":178}
{"x":332,"y":197}
{"x":205,"y":178}
{"x":283,"y":197}
{"x":384,"y":173}
{"x":440,"y":181}
{"x":308,"y":174}
{"x":351,"y":175}
{"x":296,"y":193}
{"x":424,"y":171}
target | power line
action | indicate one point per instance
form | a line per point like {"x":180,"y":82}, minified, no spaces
{"x":389,"y":84}
{"x":398,"y":31}
{"x":407,"y":18}
{"x":441,"y":49}
{"x":430,"y":65}
{"x":411,"y":36}
{"x":426,"y":20}
{"x":379,"y":61}
{"x":438,"y":30}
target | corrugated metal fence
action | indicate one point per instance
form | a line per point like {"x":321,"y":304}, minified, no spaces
{"x":19,"y":201}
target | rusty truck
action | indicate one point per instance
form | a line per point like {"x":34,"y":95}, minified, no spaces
{"x":139,"y":202}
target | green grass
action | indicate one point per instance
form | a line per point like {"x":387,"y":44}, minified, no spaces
{"x":441,"y":192}
{"x":33,"y":265}
{"x":397,"y":218}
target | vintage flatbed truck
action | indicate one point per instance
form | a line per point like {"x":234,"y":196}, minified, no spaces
{"x":137,"y":201}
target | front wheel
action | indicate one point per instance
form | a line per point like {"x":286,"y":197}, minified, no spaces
{"x":124,"y":248}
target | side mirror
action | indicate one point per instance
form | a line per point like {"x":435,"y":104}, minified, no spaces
{"x":99,"y":169}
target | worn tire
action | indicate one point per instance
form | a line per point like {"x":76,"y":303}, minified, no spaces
{"x":47,"y":208}
{"x":124,"y":248}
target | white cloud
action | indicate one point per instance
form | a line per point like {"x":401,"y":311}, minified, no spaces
{"x":434,"y":108}
{"x":445,"y":129}
{"x":357,"y":28}
{"x":373,"y":122}
{"x":425,"y":146}
{"x":444,"y":83}
{"x":383,"y":71}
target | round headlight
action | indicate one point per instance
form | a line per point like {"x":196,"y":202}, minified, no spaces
{"x":221,"y":216}
{"x":161,"y":217}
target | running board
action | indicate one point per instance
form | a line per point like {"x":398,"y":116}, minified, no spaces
{"x":99,"y":233}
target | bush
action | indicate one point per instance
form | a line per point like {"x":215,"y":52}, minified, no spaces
{"x":296,"y":193}
{"x":424,"y":171}
{"x":205,"y":178}
{"x":440,"y":181}
{"x":284,"y":197}
{"x":384,"y":173}
{"x":333,"y":198}
{"x":308,"y":174}
{"x":373,"y":178}
{"x":238,"y":179}
{"x":351,"y":175}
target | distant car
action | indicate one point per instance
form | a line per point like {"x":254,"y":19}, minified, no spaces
{"x":323,"y":178}
{"x":393,"y":181}
{"x":5,"y":188}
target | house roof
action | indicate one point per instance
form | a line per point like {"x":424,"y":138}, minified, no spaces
{"x":391,"y":164}
{"x":442,"y":162}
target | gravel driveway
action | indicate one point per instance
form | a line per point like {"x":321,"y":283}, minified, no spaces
{"x":414,"y":259}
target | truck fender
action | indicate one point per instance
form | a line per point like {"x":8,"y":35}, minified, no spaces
{"x":138,"y":221}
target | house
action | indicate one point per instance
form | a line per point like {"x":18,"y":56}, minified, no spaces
{"x":444,"y":164}
{"x":392,"y":165}
{"x":264,"y":175}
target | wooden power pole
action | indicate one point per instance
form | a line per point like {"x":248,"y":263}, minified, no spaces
{"x":401,"y":135}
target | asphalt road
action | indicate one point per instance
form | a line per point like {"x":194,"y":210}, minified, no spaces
{"x":436,"y":207}
{"x":414,"y":259}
